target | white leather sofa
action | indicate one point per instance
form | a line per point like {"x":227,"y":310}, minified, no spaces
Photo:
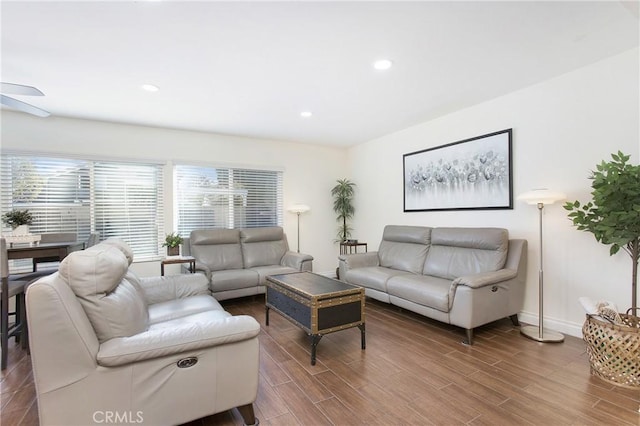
{"x":467,"y":277}
{"x":238,"y":261}
{"x":108,"y":347}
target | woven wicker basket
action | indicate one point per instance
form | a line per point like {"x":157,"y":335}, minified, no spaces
{"x":614,"y":350}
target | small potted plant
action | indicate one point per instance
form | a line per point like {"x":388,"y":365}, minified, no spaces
{"x":172,"y":241}
{"x":613,"y":217}
{"x":18,"y":220}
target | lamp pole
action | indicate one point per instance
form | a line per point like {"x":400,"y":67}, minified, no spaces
{"x":540,"y":197}
{"x":540,"y":277}
{"x":298,"y":213}
{"x":299,"y":209}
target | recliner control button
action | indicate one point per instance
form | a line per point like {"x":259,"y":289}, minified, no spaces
{"x":187,"y":362}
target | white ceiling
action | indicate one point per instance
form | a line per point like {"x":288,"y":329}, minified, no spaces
{"x":250,"y":68}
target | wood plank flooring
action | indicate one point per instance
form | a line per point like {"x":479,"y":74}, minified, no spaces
{"x":414,"y":371}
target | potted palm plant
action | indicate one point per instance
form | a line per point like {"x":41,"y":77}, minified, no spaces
{"x":343,"y":194}
{"x":613,"y":217}
{"x":172,"y":242}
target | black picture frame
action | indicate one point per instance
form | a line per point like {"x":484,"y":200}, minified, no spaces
{"x":471,"y":174}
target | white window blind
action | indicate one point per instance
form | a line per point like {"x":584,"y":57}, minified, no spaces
{"x":128,"y":204}
{"x":208,"y":197}
{"x":116,"y":199}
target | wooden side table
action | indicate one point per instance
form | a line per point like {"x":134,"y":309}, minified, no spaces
{"x":350,"y":248}
{"x":170,"y":260}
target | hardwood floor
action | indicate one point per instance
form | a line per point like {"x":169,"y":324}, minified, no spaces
{"x":414,"y":371}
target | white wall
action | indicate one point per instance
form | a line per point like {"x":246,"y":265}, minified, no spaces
{"x":310,"y":171}
{"x":561,"y":129}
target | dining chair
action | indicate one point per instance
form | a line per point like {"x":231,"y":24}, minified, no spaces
{"x":11,"y":287}
{"x":53,"y":237}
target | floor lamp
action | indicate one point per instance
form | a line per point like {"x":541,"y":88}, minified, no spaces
{"x":540,"y":197}
{"x":298,"y":209}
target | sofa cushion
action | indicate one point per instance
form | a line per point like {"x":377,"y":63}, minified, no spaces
{"x":172,"y":309}
{"x":404,"y":247}
{"x":218,"y":249}
{"x":425,"y":290}
{"x":374,"y":277}
{"x":112,"y":303}
{"x":233,"y":279}
{"x":456,"y":252}
{"x":170,"y":287}
{"x":263,"y":246}
{"x":264,"y":271}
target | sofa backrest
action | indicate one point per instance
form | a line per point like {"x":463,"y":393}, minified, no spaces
{"x":122,"y":246}
{"x":114,"y":305}
{"x":263,"y":246}
{"x":218,"y":249}
{"x":404,"y":247}
{"x":456,"y":252}
{"x":63,"y":342}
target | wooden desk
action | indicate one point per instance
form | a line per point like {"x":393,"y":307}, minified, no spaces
{"x":36,"y":251}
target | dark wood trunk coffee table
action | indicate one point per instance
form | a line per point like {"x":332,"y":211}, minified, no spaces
{"x":317,"y":304}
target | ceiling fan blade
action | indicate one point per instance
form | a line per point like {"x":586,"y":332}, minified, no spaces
{"x":19,"y":89}
{"x":22,"y":106}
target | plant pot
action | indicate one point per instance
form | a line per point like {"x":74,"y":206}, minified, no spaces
{"x":173,"y":251}
{"x":20,"y":230}
{"x":613,"y":350}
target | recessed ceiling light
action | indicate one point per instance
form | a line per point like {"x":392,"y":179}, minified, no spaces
{"x":306,"y":114}
{"x":150,"y":88}
{"x":382,"y":64}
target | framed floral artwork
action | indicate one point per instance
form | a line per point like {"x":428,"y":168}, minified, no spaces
{"x":470,"y":174}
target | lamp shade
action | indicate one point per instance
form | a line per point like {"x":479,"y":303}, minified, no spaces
{"x":298,"y":208}
{"x":541,"y":196}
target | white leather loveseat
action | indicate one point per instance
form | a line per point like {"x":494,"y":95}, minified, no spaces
{"x":467,"y":277}
{"x":109,"y":347}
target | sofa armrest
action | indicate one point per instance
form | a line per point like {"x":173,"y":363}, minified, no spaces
{"x":162,"y":289}
{"x":512,"y":277}
{"x":484,"y":279}
{"x":201,"y":267}
{"x":356,"y":260}
{"x":161,"y":342}
{"x":299,"y":261}
{"x":475,"y":281}
{"x":359,"y":260}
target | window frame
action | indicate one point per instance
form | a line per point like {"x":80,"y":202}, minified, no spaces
{"x":157,"y":172}
{"x":234,"y":169}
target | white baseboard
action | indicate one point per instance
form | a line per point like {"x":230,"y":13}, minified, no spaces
{"x":566,"y":327}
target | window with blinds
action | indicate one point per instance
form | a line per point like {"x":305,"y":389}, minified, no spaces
{"x":207,"y":197}
{"x":116,"y":199}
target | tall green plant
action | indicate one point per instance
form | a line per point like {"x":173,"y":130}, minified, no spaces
{"x":343,"y":194}
{"x":613,"y":214}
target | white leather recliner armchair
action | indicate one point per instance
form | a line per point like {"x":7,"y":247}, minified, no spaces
{"x":109,"y":347}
